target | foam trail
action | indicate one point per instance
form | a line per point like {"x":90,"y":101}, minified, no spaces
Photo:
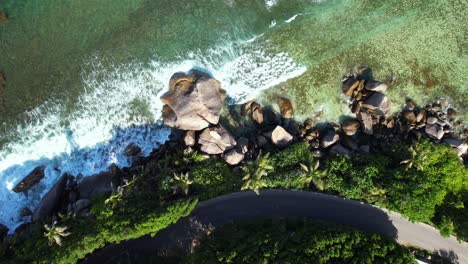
{"x":120,"y":107}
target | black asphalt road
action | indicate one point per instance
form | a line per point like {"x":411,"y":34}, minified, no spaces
{"x":180,"y":237}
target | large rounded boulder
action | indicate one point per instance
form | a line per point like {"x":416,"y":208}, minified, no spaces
{"x":193,"y":102}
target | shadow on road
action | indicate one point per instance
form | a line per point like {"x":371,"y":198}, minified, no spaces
{"x":180,"y":238}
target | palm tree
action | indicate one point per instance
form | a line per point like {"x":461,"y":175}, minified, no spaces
{"x":254,"y":171}
{"x":182,"y":183}
{"x":417,"y":159}
{"x":312,"y":174}
{"x":55,"y":233}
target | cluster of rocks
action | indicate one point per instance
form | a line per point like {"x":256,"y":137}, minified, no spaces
{"x":373,"y":130}
{"x":193,"y":105}
{"x":71,"y":196}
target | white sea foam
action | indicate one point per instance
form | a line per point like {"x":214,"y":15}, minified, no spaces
{"x":270,"y":3}
{"x":119,"y":108}
{"x":291,"y":19}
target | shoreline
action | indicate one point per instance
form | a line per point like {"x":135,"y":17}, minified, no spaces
{"x":234,"y":137}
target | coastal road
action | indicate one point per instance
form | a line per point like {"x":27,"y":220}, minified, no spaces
{"x":182,"y":236}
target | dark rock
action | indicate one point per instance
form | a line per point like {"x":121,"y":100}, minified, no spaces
{"x":454,"y":142}
{"x":25,"y":212}
{"x":100,"y":183}
{"x":262,"y":141}
{"x":329,"y":138}
{"x":189,"y":138}
{"x":350,"y":126}
{"x":340,"y":150}
{"x":349,"y":85}
{"x":366,"y":120}
{"x":420,"y":116}
{"x":3,"y":232}
{"x":132,"y":150}
{"x":80,"y":206}
{"x":308,"y":123}
{"x":246,"y":108}
{"x":34,"y":177}
{"x":434,"y":131}
{"x":451,"y":112}
{"x":243,"y":144}
{"x":233,"y":156}
{"x":21,"y":228}
{"x":317,"y":153}
{"x":364,"y":73}
{"x":377,"y":104}
{"x":215,"y":140}
{"x":51,"y":200}
{"x":269,"y":117}
{"x":349,"y":142}
{"x":280,"y":137}
{"x":365,"y":148}
{"x":410,"y":104}
{"x":286,"y":107}
{"x":376,"y":86}
{"x":409,"y":117}
{"x":72,"y":196}
{"x":193,"y":102}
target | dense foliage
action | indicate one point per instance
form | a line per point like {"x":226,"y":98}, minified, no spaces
{"x":296,"y":241}
{"x":111,"y":224}
{"x":423,"y":181}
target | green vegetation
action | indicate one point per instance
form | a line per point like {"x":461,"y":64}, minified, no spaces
{"x":254,"y":172}
{"x":55,"y":233}
{"x":430,"y":186}
{"x":116,"y":219}
{"x":296,"y":241}
{"x":433,"y":189}
{"x":182,"y":183}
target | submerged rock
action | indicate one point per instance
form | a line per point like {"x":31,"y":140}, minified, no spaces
{"x":51,"y":200}
{"x":286,"y":107}
{"x":132,"y":150}
{"x":215,"y":140}
{"x":33,"y":178}
{"x":280,"y":137}
{"x":3,"y":18}
{"x":193,"y":102}
{"x":25,"y":212}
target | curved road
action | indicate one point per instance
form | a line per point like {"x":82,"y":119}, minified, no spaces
{"x":180,"y":237}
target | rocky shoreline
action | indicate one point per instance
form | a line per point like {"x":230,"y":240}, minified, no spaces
{"x":195,"y":107}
